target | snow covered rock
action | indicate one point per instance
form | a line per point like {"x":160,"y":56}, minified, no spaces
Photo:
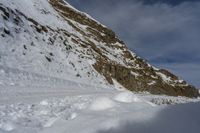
{"x":51,"y":38}
{"x":60,"y":68}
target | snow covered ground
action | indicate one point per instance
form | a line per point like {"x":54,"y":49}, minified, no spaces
{"x":62,"y":94}
{"x":182,"y":118}
{"x":32,"y":103}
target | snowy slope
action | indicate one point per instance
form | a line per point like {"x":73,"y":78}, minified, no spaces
{"x":54,"y":39}
{"x":33,"y":103}
{"x":26,"y":49}
{"x":62,"y":71}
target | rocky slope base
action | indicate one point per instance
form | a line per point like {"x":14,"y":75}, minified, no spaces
{"x":52,"y":38}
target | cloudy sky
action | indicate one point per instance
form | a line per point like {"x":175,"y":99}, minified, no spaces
{"x":164,"y":32}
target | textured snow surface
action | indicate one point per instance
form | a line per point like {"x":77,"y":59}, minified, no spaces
{"x":33,"y":103}
{"x":64,"y":114}
{"x":45,"y":88}
{"x":44,"y":53}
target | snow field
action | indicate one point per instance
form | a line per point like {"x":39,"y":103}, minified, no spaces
{"x":104,"y":109}
{"x":41,"y":96}
{"x":23,"y":108}
{"x":21,"y":117}
{"x":24,"y":117}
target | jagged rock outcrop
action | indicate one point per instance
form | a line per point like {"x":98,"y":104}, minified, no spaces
{"x":84,"y":48}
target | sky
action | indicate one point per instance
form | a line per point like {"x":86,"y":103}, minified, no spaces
{"x":164,"y":32}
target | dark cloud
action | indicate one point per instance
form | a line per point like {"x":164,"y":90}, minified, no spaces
{"x":162,"y":31}
{"x":170,"y":2}
{"x":173,"y":119}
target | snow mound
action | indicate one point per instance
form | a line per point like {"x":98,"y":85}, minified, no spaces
{"x":102,"y":103}
{"x":44,"y":103}
{"x":126,"y":97}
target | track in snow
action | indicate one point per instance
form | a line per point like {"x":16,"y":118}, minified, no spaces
{"x":19,"y":86}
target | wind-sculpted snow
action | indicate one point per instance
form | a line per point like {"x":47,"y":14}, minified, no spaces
{"x":27,"y":111}
{"x":21,"y":118}
{"x":97,"y":109}
{"x":23,"y":107}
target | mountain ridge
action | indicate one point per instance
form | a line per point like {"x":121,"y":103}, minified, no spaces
{"x":53,"y":38}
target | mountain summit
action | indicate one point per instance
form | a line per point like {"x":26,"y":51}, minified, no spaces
{"x":52,"y":38}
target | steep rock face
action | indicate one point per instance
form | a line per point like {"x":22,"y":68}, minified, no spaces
{"x":74,"y":45}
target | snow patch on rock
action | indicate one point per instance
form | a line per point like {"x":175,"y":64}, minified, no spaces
{"x":117,"y":85}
